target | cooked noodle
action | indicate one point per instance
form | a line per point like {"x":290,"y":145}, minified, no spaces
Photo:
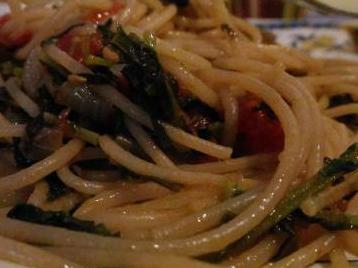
{"x":180,"y":135}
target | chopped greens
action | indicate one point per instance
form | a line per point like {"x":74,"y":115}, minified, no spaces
{"x":151,"y":88}
{"x":30,"y":213}
{"x":34,"y":127}
{"x":56,"y":188}
{"x":78,"y":131}
{"x":201,"y":118}
{"x":286,"y":228}
{"x":11,"y":68}
{"x":28,"y":149}
{"x":21,"y":159}
{"x":331,"y":172}
{"x":47,"y":103}
{"x":331,"y":220}
{"x":101,"y":75}
{"x":58,"y":73}
{"x":92,"y":60}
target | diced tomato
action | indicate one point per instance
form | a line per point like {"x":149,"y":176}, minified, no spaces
{"x":309,"y":233}
{"x":341,"y":205}
{"x":100,"y":16}
{"x":8,"y":41}
{"x":62,"y":123}
{"x":259,"y":129}
{"x":80,"y":46}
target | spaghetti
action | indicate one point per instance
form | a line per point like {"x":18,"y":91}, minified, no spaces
{"x":147,"y":133}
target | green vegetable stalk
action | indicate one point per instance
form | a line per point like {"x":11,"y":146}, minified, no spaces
{"x":331,"y":172}
{"x":333,"y":220}
{"x":30,"y":213}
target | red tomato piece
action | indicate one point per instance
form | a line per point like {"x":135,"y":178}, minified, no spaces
{"x":62,"y":122}
{"x":100,"y":16}
{"x":259,"y":129}
{"x":8,"y":41}
{"x":80,"y":46}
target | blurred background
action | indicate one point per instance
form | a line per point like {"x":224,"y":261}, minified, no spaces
{"x":303,"y":27}
{"x":289,"y":9}
{"x":266,"y":8}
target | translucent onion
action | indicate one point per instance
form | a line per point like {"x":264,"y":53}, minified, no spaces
{"x":33,"y":72}
{"x":113,"y":96}
{"x":21,"y":99}
{"x":65,"y":60}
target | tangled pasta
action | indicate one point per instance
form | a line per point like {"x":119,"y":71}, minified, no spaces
{"x":140,"y":133}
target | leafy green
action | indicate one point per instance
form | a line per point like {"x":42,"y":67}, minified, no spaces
{"x":332,"y":171}
{"x":101,"y":75}
{"x":56,"y":188}
{"x":92,"y":60}
{"x":21,"y":160}
{"x":286,"y":229}
{"x":47,"y":103}
{"x":201,"y":118}
{"x":11,"y":68}
{"x":78,"y":131}
{"x":58,"y":73}
{"x":151,"y":88}
{"x":30,"y":213}
{"x":331,"y":220}
{"x":26,"y":149}
{"x":34,"y":127}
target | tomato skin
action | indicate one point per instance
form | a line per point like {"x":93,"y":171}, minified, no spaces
{"x":79,"y":46}
{"x":100,"y":16}
{"x":259,"y":129}
{"x":12,"y":42}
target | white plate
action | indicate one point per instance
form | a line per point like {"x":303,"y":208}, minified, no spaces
{"x":3,"y":9}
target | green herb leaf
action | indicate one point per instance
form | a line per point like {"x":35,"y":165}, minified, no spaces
{"x":30,"y":213}
{"x":331,"y":172}
{"x":56,"y":188}
{"x":152,"y":89}
{"x":331,"y":220}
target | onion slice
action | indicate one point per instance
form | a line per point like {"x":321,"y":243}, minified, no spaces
{"x":21,"y":99}
{"x":113,"y":96}
{"x":66,"y":61}
{"x":33,"y":72}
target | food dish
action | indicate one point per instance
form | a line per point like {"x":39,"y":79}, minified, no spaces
{"x":152,"y":135}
